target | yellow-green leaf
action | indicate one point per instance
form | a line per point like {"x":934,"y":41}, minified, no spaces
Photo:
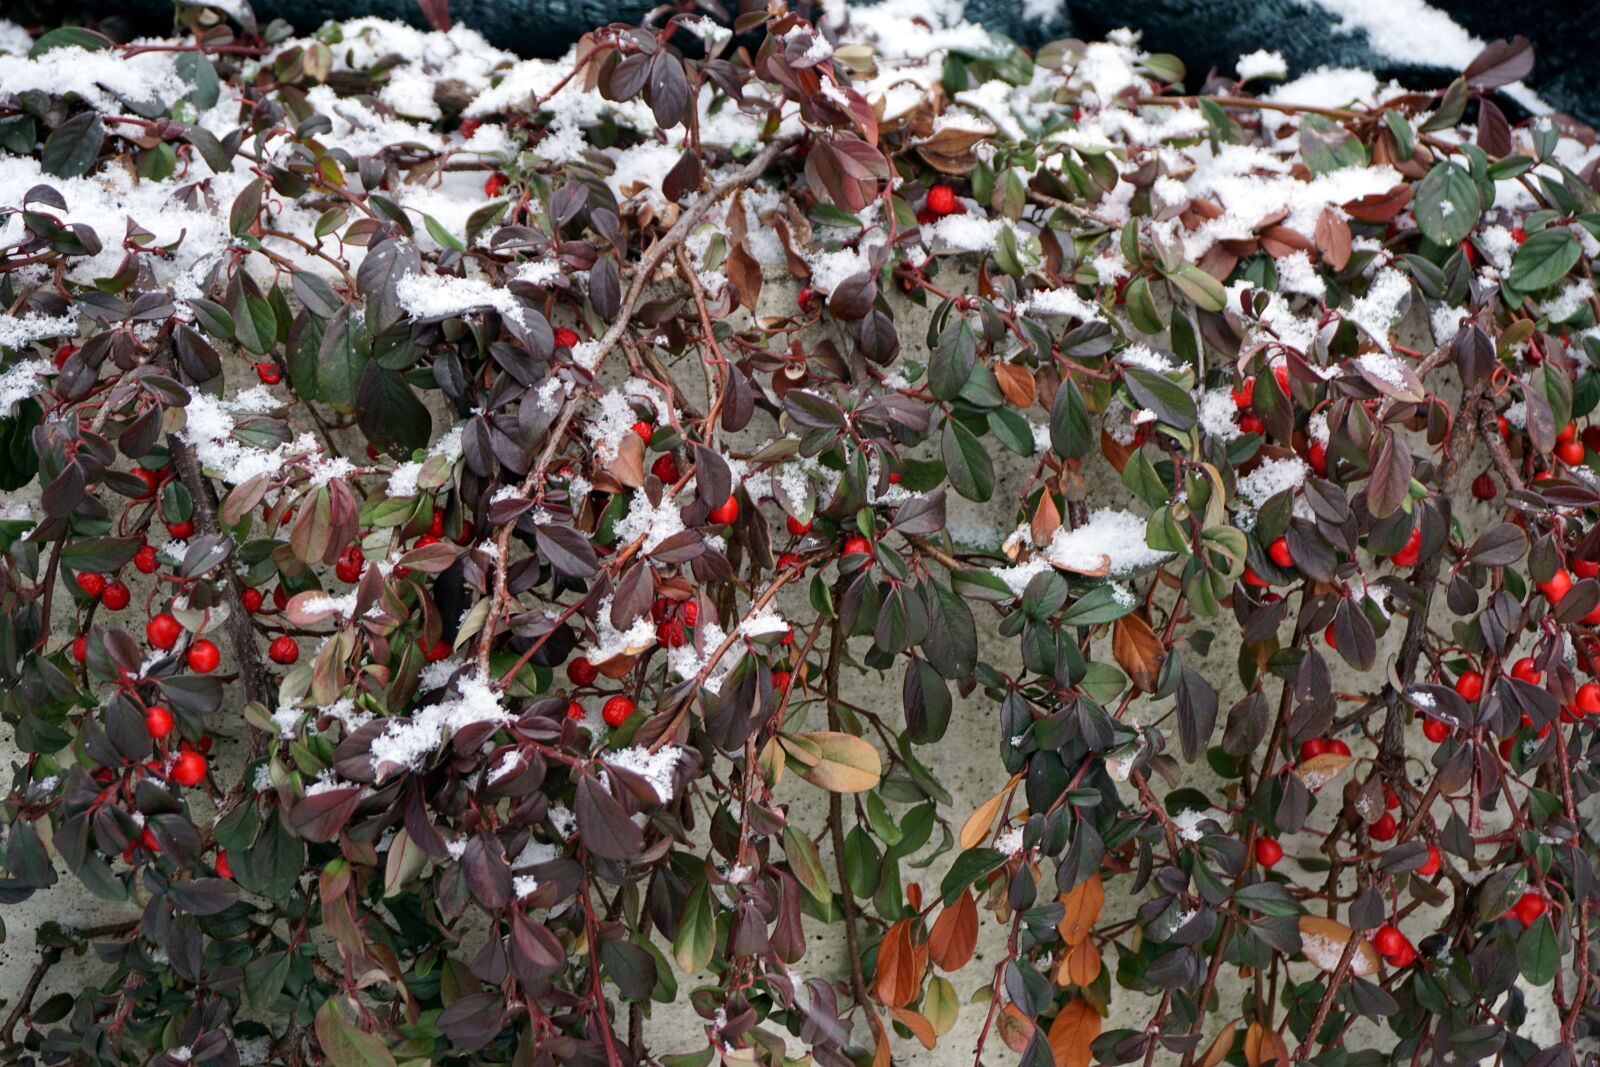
{"x":848,"y":764}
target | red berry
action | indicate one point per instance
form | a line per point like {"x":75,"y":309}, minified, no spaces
{"x":163,"y":631}
{"x":1279,"y":551}
{"x":691,"y":612}
{"x":1385,"y":828}
{"x":158,"y":720}
{"x":1569,"y":432}
{"x":1588,"y":699}
{"x":1519,"y":235}
{"x":1317,"y":455}
{"x":1245,"y":395}
{"x":1571,"y":453}
{"x":1268,"y":852}
{"x":252,"y":600}
{"x":224,"y":869}
{"x":781,"y":680}
{"x":116,"y":596}
{"x":1312,"y":748}
{"x":350,"y":564}
{"x":796,"y":527}
{"x":789,"y":559}
{"x":581,"y":672}
{"x":574,"y":710}
{"x":151,"y":479}
{"x":726,"y":513}
{"x":181,"y":530}
{"x":493,"y":185}
{"x":280,"y":597}
{"x":1523,"y":671}
{"x":566,"y":338}
{"x":283,"y":649}
{"x":64,"y":353}
{"x":1338,"y":747}
{"x":806,"y":298}
{"x":1390,"y":801}
{"x":856,"y":545}
{"x":942,"y":200}
{"x":1407,"y":556}
{"x":148,"y":840}
{"x":204,"y":657}
{"x":1251,"y":424}
{"x":80,"y":649}
{"x":644,"y":430}
{"x":438,"y":652}
{"x":1483,"y":487}
{"x":425,"y":540}
{"x":894,"y":477}
{"x":666,"y":468}
{"x":1281,"y":374}
{"x":1252,"y":578}
{"x":269,"y":373}
{"x":1586,"y":568}
{"x":470,"y":127}
{"x":1529,"y":907}
{"x":1328,"y":636}
{"x":145,"y":560}
{"x":1556,"y":587}
{"x":1435,"y":731}
{"x":1405,"y":957}
{"x":190,"y":769}
{"x":1470,"y":686}
{"x":616,"y":711}
{"x":1389,"y":941}
{"x":1431,"y":865}
{"x":92,"y":584}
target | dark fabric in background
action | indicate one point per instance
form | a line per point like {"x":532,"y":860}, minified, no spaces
{"x":1204,"y":33}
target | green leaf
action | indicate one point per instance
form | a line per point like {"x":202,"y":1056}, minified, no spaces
{"x":966,"y":462}
{"x":346,"y":1046}
{"x":389,"y":412}
{"x":1171,"y":402}
{"x":1544,"y":259}
{"x":1201,"y":288}
{"x":343,"y":356}
{"x":971,"y":865}
{"x":73,"y":146}
{"x":953,"y":358}
{"x":69,"y":37}
{"x":1447,"y":204}
{"x":697,"y":932}
{"x":1537,"y":953}
{"x":1070,"y":434}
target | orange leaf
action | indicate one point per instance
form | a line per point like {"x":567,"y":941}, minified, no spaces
{"x":1138,"y":650}
{"x":1332,"y":236}
{"x":1074,"y":1030}
{"x":920,"y":1028}
{"x":980,"y":822}
{"x":627,"y":466}
{"x":1263,"y":1046}
{"x":1081,"y":909}
{"x":898,"y":976}
{"x":1081,"y":965}
{"x":1221,"y":1045}
{"x":955,"y":934}
{"x":1014,"y":1028}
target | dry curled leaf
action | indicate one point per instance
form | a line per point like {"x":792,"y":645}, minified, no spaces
{"x":1323,"y":941}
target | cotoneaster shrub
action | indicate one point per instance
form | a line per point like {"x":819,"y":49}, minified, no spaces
{"x":436,"y":535}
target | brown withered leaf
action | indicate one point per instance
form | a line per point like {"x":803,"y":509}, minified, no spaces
{"x":1046,"y":519}
{"x":1263,"y":1046}
{"x":1073,"y":1031}
{"x":745,"y":273}
{"x":1138,"y":650}
{"x":627,"y":466}
{"x":1318,"y":771}
{"x":1016,"y":383}
{"x":1332,"y":238}
{"x":1081,"y":909}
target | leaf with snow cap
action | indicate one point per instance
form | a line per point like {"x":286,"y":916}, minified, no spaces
{"x":1323,"y":941}
{"x":1447,"y":204}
